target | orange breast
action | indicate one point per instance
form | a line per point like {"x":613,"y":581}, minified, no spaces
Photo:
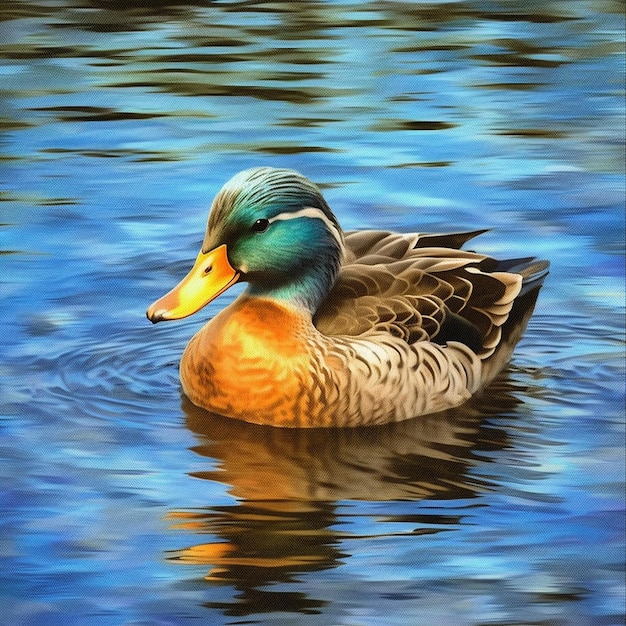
{"x":252,"y":362}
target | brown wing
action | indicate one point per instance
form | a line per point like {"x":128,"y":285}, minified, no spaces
{"x":366,"y":245}
{"x":403,"y":285}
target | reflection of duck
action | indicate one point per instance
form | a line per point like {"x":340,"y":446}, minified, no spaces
{"x":257,"y":546}
{"x":367,"y":328}
{"x":288,"y":484}
{"x":410,"y":460}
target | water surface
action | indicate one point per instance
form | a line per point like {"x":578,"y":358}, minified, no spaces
{"x":124,"y":504}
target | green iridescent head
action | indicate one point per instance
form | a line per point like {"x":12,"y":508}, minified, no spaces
{"x":279,"y":233}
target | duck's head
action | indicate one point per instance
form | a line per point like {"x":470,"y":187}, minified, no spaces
{"x":271,"y":228}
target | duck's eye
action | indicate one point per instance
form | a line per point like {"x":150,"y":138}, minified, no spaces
{"x":260,"y":225}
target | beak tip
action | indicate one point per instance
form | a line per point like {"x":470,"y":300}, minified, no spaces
{"x":155,"y":316}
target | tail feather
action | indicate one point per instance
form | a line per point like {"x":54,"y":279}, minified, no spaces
{"x":533,"y":273}
{"x":449,"y":240}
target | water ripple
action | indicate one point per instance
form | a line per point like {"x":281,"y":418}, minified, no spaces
{"x":115,"y":377}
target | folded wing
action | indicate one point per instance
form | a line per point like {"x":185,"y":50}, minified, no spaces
{"x":424,"y":288}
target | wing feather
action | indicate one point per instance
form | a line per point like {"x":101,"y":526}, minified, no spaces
{"x":422,"y":287}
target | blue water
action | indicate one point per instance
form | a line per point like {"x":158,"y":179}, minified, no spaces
{"x":123,"y":504}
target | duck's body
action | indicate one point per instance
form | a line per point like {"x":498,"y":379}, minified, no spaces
{"x":262,"y":362}
{"x":367,"y":328}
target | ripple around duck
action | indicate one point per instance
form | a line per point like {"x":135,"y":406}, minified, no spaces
{"x":124,"y":375}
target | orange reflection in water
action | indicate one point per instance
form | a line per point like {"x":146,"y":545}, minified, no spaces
{"x":294,"y":488}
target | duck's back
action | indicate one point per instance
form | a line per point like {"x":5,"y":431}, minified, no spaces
{"x":451,"y":316}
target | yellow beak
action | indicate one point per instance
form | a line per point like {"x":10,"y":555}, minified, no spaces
{"x":210,"y":276}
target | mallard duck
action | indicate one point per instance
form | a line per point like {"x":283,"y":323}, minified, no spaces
{"x":340,"y":329}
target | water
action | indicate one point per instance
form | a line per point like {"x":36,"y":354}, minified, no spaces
{"x":123,"y":504}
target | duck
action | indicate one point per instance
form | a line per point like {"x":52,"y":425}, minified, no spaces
{"x":340,"y":329}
